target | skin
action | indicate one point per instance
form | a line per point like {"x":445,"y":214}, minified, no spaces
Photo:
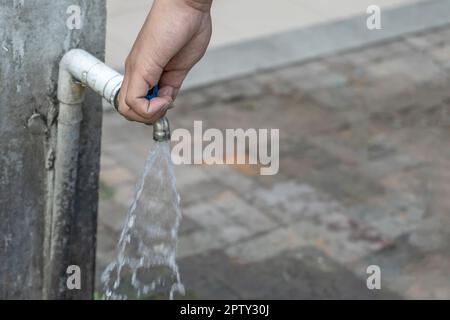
{"x":172,"y":40}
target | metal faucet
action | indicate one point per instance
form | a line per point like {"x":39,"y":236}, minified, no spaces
{"x":161,"y":130}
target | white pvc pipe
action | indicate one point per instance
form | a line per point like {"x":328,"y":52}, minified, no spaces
{"x":91,"y":72}
{"x":78,"y":69}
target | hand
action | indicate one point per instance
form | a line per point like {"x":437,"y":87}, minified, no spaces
{"x":172,"y":40}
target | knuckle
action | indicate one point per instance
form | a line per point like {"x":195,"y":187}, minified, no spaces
{"x":122,"y":107}
{"x":130,"y":102}
{"x":123,"y":111}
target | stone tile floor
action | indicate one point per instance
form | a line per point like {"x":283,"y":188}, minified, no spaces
{"x":364,"y":179}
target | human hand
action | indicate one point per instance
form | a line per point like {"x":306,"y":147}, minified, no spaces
{"x":172,"y":40}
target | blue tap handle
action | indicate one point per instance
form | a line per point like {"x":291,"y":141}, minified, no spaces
{"x":152,"y":93}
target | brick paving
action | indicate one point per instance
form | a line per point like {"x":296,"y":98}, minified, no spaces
{"x":364,"y":179}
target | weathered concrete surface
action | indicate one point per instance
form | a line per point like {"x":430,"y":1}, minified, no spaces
{"x":33,"y":38}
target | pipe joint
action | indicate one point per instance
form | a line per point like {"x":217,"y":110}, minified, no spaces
{"x":90,"y":72}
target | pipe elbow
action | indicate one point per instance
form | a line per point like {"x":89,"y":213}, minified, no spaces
{"x":80,"y":68}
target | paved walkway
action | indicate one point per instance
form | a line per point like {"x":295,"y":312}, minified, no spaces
{"x":364,"y":179}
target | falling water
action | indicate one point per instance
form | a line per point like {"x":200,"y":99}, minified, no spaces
{"x":145,"y":264}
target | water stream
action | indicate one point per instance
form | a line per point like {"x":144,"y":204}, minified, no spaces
{"x":145,"y":265}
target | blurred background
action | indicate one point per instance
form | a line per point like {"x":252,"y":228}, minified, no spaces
{"x":364,"y":151}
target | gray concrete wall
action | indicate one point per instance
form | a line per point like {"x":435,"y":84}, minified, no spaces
{"x":33,"y":38}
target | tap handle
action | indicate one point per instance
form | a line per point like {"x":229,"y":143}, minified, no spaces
{"x":152,"y":93}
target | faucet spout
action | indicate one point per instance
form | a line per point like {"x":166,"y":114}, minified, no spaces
{"x":161,"y":130}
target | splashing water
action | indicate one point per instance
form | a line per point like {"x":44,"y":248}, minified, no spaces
{"x":145,"y":262}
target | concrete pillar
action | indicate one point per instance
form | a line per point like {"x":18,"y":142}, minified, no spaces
{"x":34,"y":34}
